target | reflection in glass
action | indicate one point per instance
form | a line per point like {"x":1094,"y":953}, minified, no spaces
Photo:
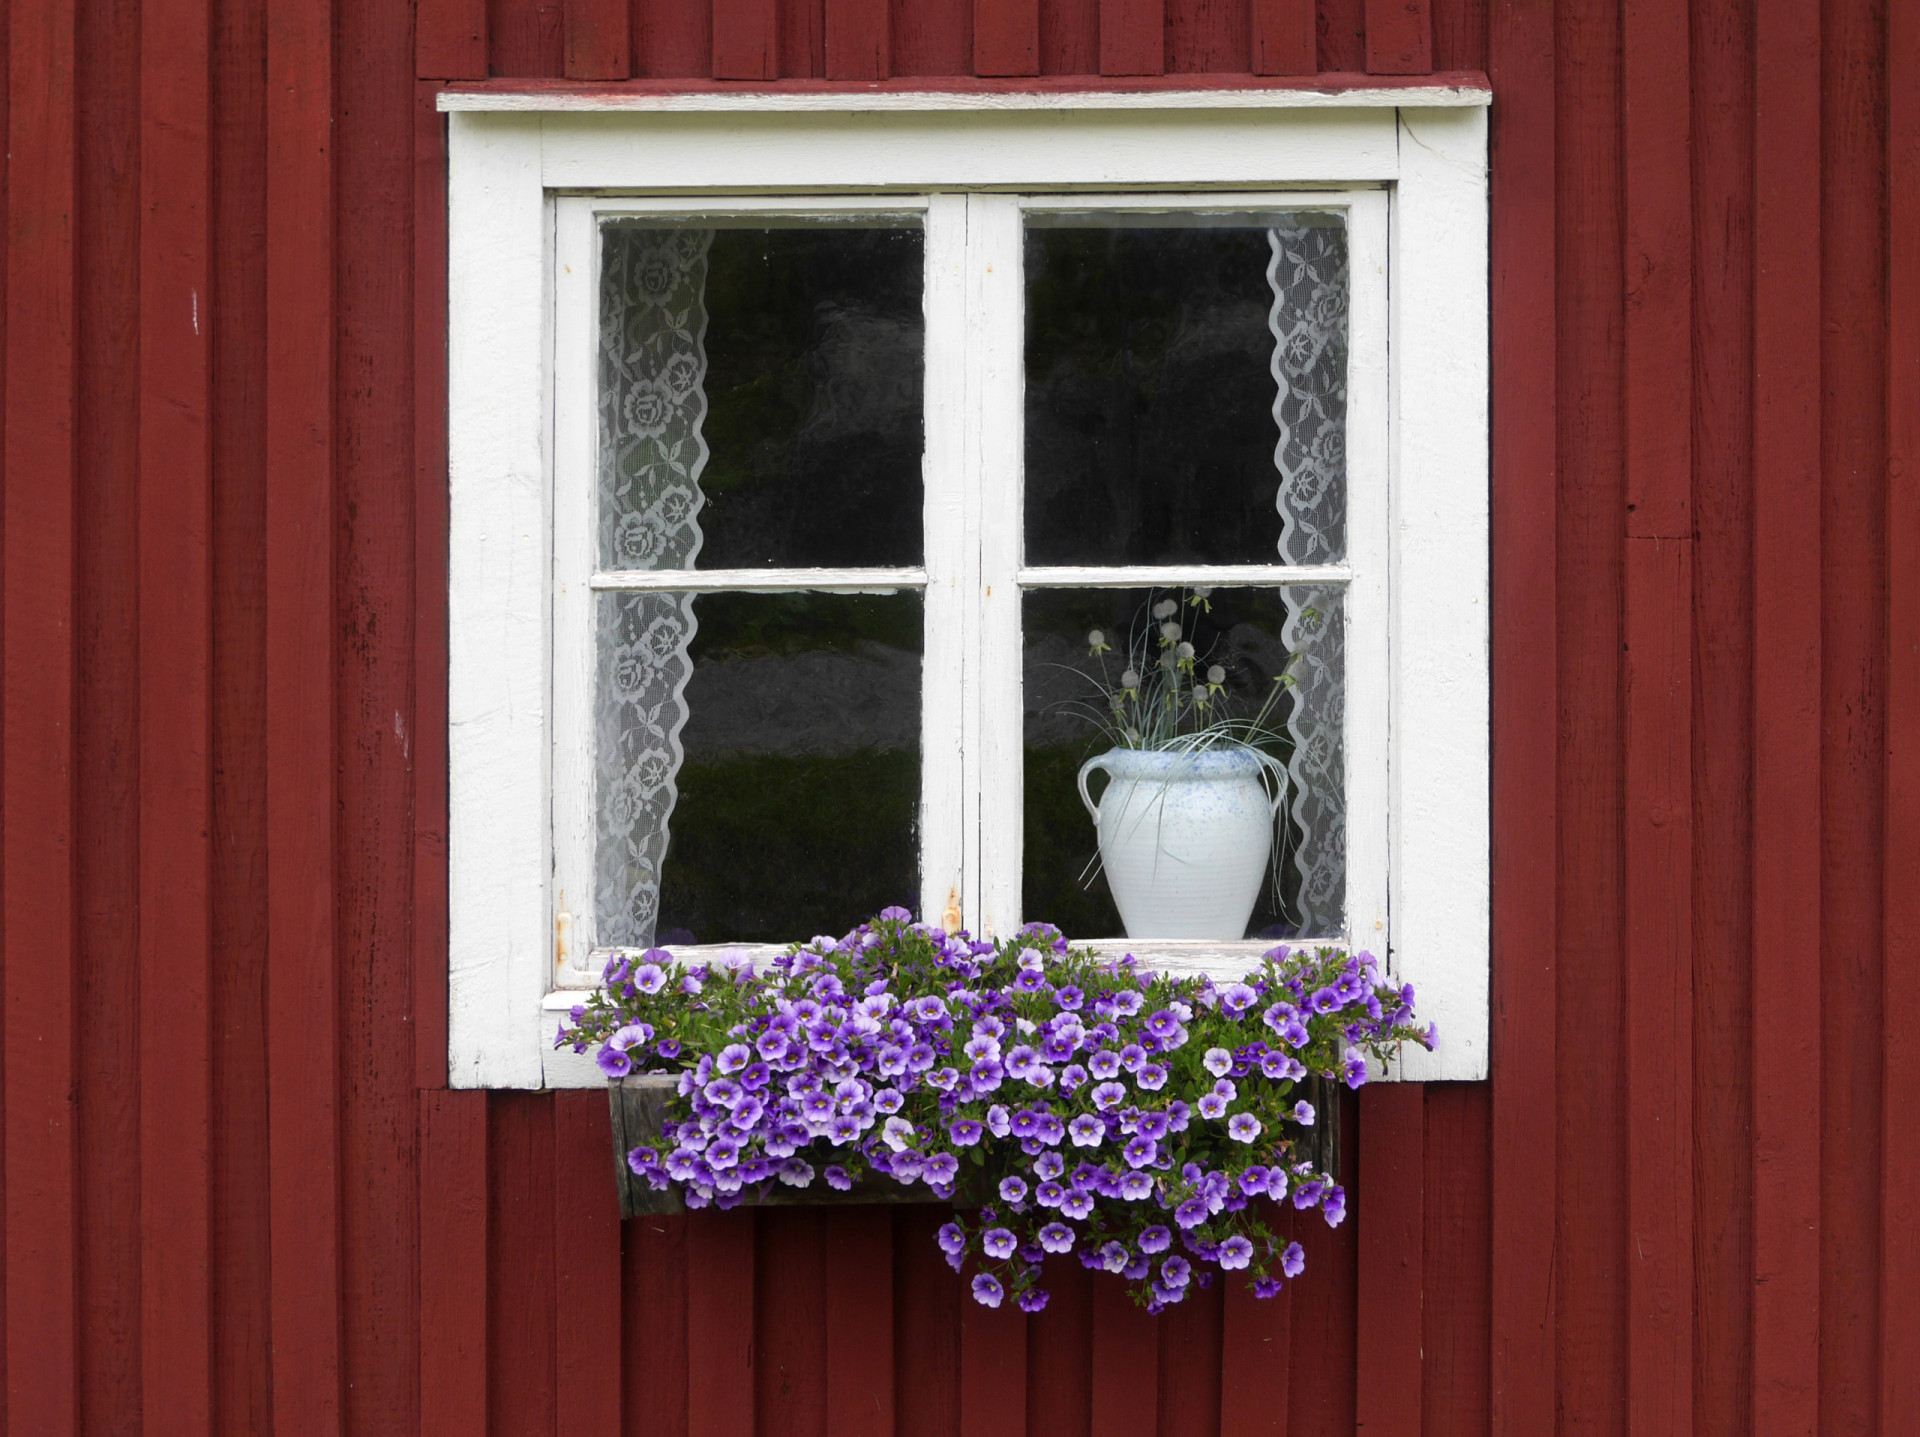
{"x":1249,"y":635}
{"x":786,"y":803}
{"x":1186,"y":389}
{"x":760,"y":395}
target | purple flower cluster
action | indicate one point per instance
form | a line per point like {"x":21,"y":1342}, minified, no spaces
{"x":1065,"y":1104}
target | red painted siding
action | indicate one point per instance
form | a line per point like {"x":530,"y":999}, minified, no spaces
{"x":238,"y":1198}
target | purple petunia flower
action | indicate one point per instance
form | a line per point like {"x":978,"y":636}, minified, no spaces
{"x":1025,"y":1123}
{"x":1049,"y":1165}
{"x":1237,"y":998}
{"x":1213,"y":1106}
{"x":1049,"y":1194}
{"x":1056,"y":1237}
{"x":1077,"y":1204}
{"x":1086,"y":1131}
{"x":1307,"y":1193}
{"x":796,"y":1172}
{"x":1303,"y":1113}
{"x":1104,"y":1064}
{"x":1069,"y":997}
{"x":1163,"y":1024}
{"x":1139,"y":1151}
{"x":1071,"y":1077}
{"x":1324,"y":1000}
{"x":1033,"y":1299}
{"x":1191,"y":1213}
{"x":843,"y":1129}
{"x":1255,"y":1180}
{"x":1217,"y":1061}
{"x":722,"y":1153}
{"x":1243,"y":1127}
{"x":987,"y":1290}
{"x":733,"y":1057}
{"x":1155,"y":1239}
{"x":1013,"y":1189}
{"x":1114,"y":1256}
{"x":1354,"y":1066}
{"x":1333,"y":1207}
{"x":999,"y":1122}
{"x":614,"y":1063}
{"x":1293,"y":1261}
{"x":1108,"y":1095}
{"x":1136,"y":1187}
{"x":998,"y":1242}
{"x":1151,"y":1076}
{"x":1175,"y":1271}
{"x":964,"y":1132}
{"x":951,"y":1238}
{"x":1266,"y":1287}
{"x":1235,"y":1253}
{"x":1050,"y":1130}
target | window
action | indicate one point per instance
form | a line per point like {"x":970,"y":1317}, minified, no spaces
{"x":815,"y":516}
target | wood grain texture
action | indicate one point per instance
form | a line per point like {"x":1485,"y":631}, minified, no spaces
{"x":746,"y":40}
{"x":859,"y":46}
{"x":1341,"y":36}
{"x":1006,"y":37}
{"x":860,"y":1355}
{"x":1659,"y":702}
{"x":993,"y":1370}
{"x":302,"y":1022}
{"x":1786,"y":618}
{"x":1283,"y":37}
{"x":1255,"y":1357}
{"x":931,"y":37}
{"x":454,"y":1180}
{"x":586,"y":1272}
{"x":37,"y":842}
{"x":1520,"y":49}
{"x":672,"y":38}
{"x":597,"y":44}
{"x":1060,"y":1353}
{"x":1399,"y":37}
{"x":720,"y":1329}
{"x":1899,"y":1395}
{"x":450,"y":39}
{"x":1456,"y":1389}
{"x":1125,"y":1364}
{"x":1133,"y":37}
{"x":177,"y":314}
{"x":1391,"y":1232}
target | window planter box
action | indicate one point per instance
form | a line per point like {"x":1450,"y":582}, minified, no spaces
{"x":638,"y":1105}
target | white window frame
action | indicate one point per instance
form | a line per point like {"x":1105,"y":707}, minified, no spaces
{"x":528,"y":172}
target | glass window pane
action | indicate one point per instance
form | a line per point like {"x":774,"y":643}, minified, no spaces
{"x":760,"y":395}
{"x":1186,"y":844}
{"x":758,"y":764}
{"x":1186,"y":388}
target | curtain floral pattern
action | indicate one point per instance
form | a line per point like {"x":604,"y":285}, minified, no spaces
{"x":1308,"y":273}
{"x":652,"y":396}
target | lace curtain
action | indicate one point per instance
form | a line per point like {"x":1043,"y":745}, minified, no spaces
{"x":1308,"y":273}
{"x":652,"y":375}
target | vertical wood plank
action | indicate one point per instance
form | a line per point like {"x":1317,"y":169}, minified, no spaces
{"x":177,"y":315}
{"x":1255,"y":1358}
{"x":1456,"y":1315}
{"x":453,"y":1263}
{"x":1006,"y":37}
{"x":1659,"y":576}
{"x":587,"y":1268}
{"x":653,"y":1324}
{"x":674,"y":40}
{"x":1126,"y":1365}
{"x":1133,"y":37}
{"x":1525,"y":719}
{"x":858,"y":47}
{"x":1060,"y":1353}
{"x":1786,"y":721}
{"x":1391,"y":1232}
{"x":746,"y":40}
{"x":931,"y":37}
{"x":450,"y":39}
{"x":859,"y":1318}
{"x":1399,"y":37}
{"x":36,"y":866}
{"x":993,"y":1370}
{"x":302,"y":999}
{"x":720,"y":1336}
{"x":597,"y":44}
{"x":1070,"y":37}
{"x":1659,"y":798}
{"x":1283,"y":37}
{"x":1191,"y":1363}
{"x":1340,"y":38}
{"x":429,"y":737}
{"x":926,"y":1325}
{"x":1899,"y":1396}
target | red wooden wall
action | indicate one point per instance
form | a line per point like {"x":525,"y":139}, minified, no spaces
{"x":237,"y":1198}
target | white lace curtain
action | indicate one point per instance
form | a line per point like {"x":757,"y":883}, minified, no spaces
{"x":1308,"y":273}
{"x":653,"y":370}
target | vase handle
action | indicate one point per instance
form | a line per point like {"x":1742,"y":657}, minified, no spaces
{"x":1099,"y":761}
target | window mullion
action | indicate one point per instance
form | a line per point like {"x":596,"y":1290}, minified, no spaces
{"x":996,"y":335}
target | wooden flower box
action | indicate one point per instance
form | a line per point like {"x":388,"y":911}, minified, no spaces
{"x":639,"y":1106}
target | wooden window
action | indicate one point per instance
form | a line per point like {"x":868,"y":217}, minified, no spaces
{"x":987,"y":281}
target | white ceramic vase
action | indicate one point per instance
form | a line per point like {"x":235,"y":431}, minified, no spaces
{"x":1184,"y":837}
